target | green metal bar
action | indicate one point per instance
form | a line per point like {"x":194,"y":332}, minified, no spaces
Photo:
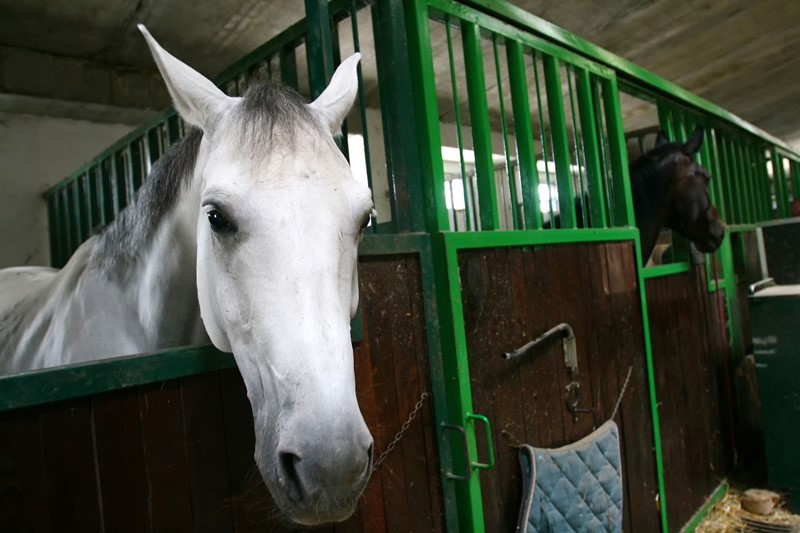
{"x":362,"y":106}
{"x":481,"y":128}
{"x":795,"y":171}
{"x":594,"y":173}
{"x":780,"y":182}
{"x":65,"y":234}
{"x":702,"y":513}
{"x":426,"y":116}
{"x":752,"y":164}
{"x":75,"y":219}
{"x":507,"y":148}
{"x":666,"y":270}
{"x":455,"y":368}
{"x":618,"y":149}
{"x":544,"y":136}
{"x":558,"y":130}
{"x":529,"y":176}
{"x":651,"y":385}
{"x":605,"y":157}
{"x":744,"y":172}
{"x":288,"y":64}
{"x":53,"y":217}
{"x":577,"y":148}
{"x":499,"y":239}
{"x":465,"y":179}
{"x":49,"y":385}
{"x":319,"y":45}
{"x":767,"y":184}
{"x":665,"y":120}
{"x":727,"y":175}
{"x":416,"y":181}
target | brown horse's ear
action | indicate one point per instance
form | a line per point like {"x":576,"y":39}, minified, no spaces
{"x":694,"y":143}
{"x":661,"y":138}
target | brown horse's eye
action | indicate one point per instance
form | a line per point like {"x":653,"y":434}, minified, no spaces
{"x":218,"y":222}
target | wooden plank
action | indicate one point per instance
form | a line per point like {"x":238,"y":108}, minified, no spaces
{"x":379,"y":323}
{"x":204,"y":429}
{"x":119,"y":456}
{"x":165,"y":457}
{"x":68,"y":456}
{"x":24,"y":506}
{"x":427,"y":418}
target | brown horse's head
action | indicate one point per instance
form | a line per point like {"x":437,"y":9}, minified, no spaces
{"x":689,"y":208}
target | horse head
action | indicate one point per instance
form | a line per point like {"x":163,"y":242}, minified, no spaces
{"x":682,"y":201}
{"x":278,"y":221}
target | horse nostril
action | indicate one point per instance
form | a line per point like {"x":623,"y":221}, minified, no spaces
{"x":287,"y":463}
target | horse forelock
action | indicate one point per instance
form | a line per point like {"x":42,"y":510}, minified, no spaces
{"x":267,"y":109}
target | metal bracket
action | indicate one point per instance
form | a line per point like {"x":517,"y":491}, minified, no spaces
{"x":467,"y":469}
{"x":488,"y":428}
{"x":574,"y":388}
{"x":568,"y":340}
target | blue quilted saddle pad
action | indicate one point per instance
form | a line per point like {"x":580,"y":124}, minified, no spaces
{"x":577,"y":488}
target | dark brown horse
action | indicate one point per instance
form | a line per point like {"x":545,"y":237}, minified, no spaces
{"x":671,"y":189}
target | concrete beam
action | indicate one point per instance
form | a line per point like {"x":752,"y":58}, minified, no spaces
{"x":46,"y":84}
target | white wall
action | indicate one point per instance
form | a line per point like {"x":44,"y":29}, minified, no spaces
{"x":35,"y":153}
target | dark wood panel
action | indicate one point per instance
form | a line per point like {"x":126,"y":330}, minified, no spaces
{"x":166,"y":461}
{"x":689,"y":358}
{"x":68,"y":456}
{"x":513,"y":295}
{"x":24,"y":506}
{"x":121,"y":472}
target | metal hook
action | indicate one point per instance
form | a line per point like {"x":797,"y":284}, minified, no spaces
{"x":572,"y":406}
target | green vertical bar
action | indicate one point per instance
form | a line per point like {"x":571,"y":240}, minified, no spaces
{"x":665,"y":120}
{"x":288,"y":65}
{"x":741,"y":182}
{"x":73,"y":201}
{"x":512,"y":182}
{"x":426,"y":115}
{"x":594,"y":174}
{"x":558,"y":128}
{"x":465,"y":178}
{"x":529,"y":176}
{"x":747,"y":191}
{"x":136,"y":168}
{"x":651,"y":386}
{"x":362,"y":106}
{"x":481,"y":129}
{"x":458,"y":388}
{"x":53,"y":219}
{"x":780,"y":184}
{"x":319,"y":47}
{"x":717,"y":185}
{"x":578,"y":150}
{"x":795,"y":171}
{"x":766,"y":197}
{"x":752,"y":165}
{"x":727,"y":177}
{"x":544,"y":138}
{"x":65,"y":233}
{"x":618,"y":149}
{"x":416,"y":176}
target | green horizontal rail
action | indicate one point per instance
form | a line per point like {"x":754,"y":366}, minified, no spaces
{"x":62,"y":383}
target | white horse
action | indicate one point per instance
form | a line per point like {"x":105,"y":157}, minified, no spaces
{"x":251,"y":222}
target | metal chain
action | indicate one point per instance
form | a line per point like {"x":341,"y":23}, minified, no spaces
{"x":424,"y":396}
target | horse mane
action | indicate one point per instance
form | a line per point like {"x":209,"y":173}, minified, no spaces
{"x":645,"y":174}
{"x":265,"y":107}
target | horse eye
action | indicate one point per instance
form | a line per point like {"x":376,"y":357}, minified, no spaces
{"x":218,"y":221}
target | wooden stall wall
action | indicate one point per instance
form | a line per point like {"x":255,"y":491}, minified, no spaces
{"x":693,"y":384}
{"x":511,"y":296}
{"x":177,"y":455}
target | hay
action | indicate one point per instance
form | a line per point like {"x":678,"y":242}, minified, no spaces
{"x":728,"y":516}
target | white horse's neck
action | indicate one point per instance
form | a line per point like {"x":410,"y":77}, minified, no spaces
{"x":151,"y":252}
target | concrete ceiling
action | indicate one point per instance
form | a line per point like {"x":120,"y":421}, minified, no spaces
{"x":85,"y":59}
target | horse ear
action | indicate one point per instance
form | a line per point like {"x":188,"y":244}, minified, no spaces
{"x":198,"y":101}
{"x":694,"y":143}
{"x":661,"y":138}
{"x":336,"y":100}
